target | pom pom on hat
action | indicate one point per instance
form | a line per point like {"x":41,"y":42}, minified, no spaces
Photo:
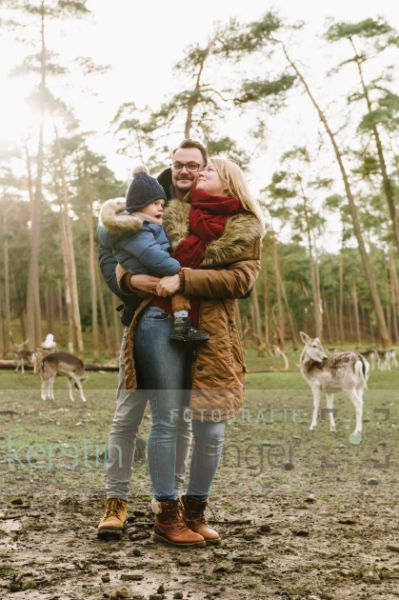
{"x":140,"y":169}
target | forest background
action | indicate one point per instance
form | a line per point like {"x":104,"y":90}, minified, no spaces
{"x":306,"y":102}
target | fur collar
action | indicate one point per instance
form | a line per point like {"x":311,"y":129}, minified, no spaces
{"x":115,"y":218}
{"x":240,"y":233}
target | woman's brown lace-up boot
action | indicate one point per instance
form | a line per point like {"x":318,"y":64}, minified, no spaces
{"x":170,"y":527}
{"x":114,"y":520}
{"x":195,"y":519}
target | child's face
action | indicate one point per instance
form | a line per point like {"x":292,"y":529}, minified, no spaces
{"x":155,"y":210}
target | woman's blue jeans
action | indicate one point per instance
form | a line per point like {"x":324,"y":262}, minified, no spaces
{"x":164,"y":369}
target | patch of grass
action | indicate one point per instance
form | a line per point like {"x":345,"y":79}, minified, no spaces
{"x":59,"y":445}
{"x":29,"y":584}
{"x":210,"y":576}
{"x":351,"y":534}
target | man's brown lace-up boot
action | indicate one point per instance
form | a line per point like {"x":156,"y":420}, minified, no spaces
{"x":195,"y":519}
{"x":114,"y":520}
{"x":170,"y":527}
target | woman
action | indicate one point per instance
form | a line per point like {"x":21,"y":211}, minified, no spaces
{"x":210,"y":380}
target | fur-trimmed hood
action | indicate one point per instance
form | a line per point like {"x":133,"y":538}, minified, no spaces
{"x":241,"y":232}
{"x":115,"y":218}
{"x":218,"y":370}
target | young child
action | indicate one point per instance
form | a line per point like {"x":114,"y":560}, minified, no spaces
{"x":133,"y":230}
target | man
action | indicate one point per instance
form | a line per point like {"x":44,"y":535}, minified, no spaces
{"x":188,"y":159}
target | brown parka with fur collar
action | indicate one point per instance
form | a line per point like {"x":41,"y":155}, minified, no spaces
{"x":228,"y":271}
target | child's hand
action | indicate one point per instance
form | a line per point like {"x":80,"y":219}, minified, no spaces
{"x":186,"y":269}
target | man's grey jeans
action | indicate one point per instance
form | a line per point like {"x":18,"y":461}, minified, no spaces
{"x":129,"y":412}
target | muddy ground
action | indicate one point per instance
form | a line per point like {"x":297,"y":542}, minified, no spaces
{"x":302,"y":515}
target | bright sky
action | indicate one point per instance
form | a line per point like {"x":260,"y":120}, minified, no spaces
{"x":143,"y":40}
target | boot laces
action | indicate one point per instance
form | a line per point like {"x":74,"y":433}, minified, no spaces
{"x":197,"y":513}
{"x":172,"y":513}
{"x":114,"y":507}
{"x":180,"y":523}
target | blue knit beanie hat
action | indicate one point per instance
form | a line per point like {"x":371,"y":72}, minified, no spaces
{"x":143,"y":190}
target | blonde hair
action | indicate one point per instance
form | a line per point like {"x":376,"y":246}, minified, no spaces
{"x":235,"y":185}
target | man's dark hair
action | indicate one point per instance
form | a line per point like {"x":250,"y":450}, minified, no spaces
{"x":188,"y":143}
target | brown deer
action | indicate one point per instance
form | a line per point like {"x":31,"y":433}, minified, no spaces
{"x":61,"y":364}
{"x":23,"y":356}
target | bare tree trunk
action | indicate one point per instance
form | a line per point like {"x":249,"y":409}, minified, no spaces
{"x":59,"y":303}
{"x":328,"y":323}
{"x":341,"y":298}
{"x":371,"y":328}
{"x":318,"y":300}
{"x":395,"y":322}
{"x":280,"y":325}
{"x":70,"y":253}
{"x":386,"y":182}
{"x":394,"y":292}
{"x":4,"y":335}
{"x":388,"y":308}
{"x":33,"y":308}
{"x":67,"y":282}
{"x":356,"y":310}
{"x":388,"y":317}
{"x":362,"y":320}
{"x":92,"y":271}
{"x":22,"y":325}
{"x":67,"y":273}
{"x":52,"y":306}
{"x":394,"y":274}
{"x":7,"y":309}
{"x":256,"y":313}
{"x":48,"y":307}
{"x":318,"y":319}
{"x":291,"y":323}
{"x":368,"y":268}
{"x":266,"y":311}
{"x":2,"y":326}
{"x":336,"y":321}
{"x":103,"y":314}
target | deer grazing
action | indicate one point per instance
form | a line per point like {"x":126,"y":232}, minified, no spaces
{"x":61,"y":363}
{"x":342,"y":371}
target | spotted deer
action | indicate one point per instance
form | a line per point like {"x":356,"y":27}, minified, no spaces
{"x":343,"y":371}
{"x":386,"y":359}
{"x":372,"y":357}
{"x":61,"y":364}
{"x":23,"y":356}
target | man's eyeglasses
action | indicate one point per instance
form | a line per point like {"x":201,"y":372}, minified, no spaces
{"x":190,"y":166}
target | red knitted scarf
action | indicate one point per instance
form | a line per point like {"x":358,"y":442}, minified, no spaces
{"x":207,"y":219}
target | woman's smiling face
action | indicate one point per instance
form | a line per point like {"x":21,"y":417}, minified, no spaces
{"x":209,"y":181}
